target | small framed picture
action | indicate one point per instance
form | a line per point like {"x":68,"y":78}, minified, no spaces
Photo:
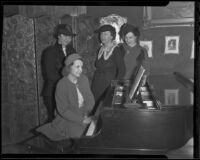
{"x":172,"y":44}
{"x":148,"y":46}
{"x":171,"y":97}
{"x":192,"y":51}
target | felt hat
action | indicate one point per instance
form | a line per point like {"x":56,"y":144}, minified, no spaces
{"x":126,"y":28}
{"x":64,"y":29}
{"x":71,"y":58}
{"x":104,"y":28}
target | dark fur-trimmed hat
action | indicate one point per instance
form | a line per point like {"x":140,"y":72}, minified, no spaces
{"x":104,"y":28}
{"x":126,"y":28}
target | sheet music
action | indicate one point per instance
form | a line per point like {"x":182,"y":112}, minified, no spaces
{"x":91,"y":128}
{"x":136,"y":81}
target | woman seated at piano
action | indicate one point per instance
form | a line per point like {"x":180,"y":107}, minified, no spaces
{"x":135,"y":55}
{"x":74,"y":101}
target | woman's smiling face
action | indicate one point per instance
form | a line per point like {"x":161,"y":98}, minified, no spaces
{"x":106,"y":37}
{"x":130,"y":39}
{"x":64,"y":40}
{"x":76,"y":68}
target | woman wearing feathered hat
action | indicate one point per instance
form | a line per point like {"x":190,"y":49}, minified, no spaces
{"x":109,"y":62}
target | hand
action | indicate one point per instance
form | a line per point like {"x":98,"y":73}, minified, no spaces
{"x":94,"y":118}
{"x":87,"y":120}
{"x":144,"y":79}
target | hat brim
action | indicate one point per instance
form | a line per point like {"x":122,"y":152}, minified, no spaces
{"x":67,"y":33}
{"x":71,"y":58}
{"x":71,"y":34}
{"x":98,"y":30}
{"x":105,"y":28}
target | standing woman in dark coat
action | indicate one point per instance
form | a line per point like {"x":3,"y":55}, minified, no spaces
{"x":135,"y":55}
{"x":109,"y":62}
{"x":52,"y":64}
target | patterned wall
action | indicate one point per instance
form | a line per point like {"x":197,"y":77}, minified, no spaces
{"x":19,"y":105}
{"x":44,"y":28}
{"x":5,"y":118}
{"x":87,"y":42}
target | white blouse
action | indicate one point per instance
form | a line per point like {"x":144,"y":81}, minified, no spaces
{"x":106,"y":51}
{"x":80,"y":97}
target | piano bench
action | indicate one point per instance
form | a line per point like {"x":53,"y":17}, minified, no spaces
{"x":58,"y":147}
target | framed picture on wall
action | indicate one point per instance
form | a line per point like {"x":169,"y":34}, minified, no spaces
{"x":175,"y":13}
{"x":172,"y":44}
{"x":192,"y":51}
{"x":171,"y":96}
{"x":148,"y":46}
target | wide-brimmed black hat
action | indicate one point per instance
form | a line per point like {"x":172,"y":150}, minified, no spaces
{"x":64,"y":29}
{"x":104,"y":28}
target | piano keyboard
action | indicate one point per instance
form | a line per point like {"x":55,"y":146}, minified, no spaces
{"x":91,"y":128}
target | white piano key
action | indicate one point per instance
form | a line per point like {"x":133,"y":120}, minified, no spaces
{"x":91,"y":129}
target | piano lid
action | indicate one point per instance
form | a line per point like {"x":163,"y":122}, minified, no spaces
{"x":143,"y":131}
{"x":170,"y":91}
{"x":188,"y":83}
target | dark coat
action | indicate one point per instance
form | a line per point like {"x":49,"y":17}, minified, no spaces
{"x":107,"y":70}
{"x":52,"y":64}
{"x":134,"y":58}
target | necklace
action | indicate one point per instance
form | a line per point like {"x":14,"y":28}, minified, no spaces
{"x":107,"y":50}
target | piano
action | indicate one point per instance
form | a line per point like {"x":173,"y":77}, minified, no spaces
{"x":142,"y":125}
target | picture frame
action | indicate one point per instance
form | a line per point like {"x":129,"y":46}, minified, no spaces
{"x":175,"y":13}
{"x":171,"y":96}
{"x":191,"y":98}
{"x":148,"y":46}
{"x":137,"y":82}
{"x":192,"y":51}
{"x":172,"y":44}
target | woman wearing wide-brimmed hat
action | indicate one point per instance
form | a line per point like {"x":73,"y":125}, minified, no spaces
{"x":53,"y":62}
{"x":109,"y":62}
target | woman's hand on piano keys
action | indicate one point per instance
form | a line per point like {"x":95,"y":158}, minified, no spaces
{"x":87,"y":120}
